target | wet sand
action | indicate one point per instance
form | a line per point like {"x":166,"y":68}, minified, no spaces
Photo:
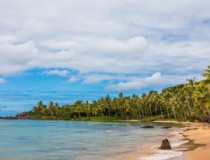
{"x":198,"y":147}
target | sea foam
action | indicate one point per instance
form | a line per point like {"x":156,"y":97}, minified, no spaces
{"x":162,"y":155}
{"x":176,"y":141}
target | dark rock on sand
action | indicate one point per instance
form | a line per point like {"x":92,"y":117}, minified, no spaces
{"x":148,"y":126}
{"x":166,"y":127}
{"x":165,"y":145}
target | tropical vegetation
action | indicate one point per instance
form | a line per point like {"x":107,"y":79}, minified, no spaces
{"x":189,"y":101}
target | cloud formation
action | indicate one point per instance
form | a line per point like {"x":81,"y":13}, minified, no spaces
{"x":61,"y":73}
{"x":105,"y":40}
{"x":138,"y":83}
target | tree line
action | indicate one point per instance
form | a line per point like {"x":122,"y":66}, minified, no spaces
{"x":189,"y":101}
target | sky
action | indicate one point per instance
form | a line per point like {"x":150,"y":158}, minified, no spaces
{"x":84,"y":49}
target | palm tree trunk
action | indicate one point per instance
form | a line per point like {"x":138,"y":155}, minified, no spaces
{"x":168,"y":112}
{"x":155,"y":109}
{"x":150,"y":109}
{"x":161,"y":112}
{"x":139,"y":115}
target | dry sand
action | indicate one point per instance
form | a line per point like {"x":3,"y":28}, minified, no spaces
{"x":200,"y":133}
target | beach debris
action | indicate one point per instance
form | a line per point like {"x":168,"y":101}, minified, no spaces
{"x":165,"y":145}
{"x":148,"y":126}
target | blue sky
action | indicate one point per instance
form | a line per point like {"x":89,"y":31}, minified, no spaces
{"x":67,"y":50}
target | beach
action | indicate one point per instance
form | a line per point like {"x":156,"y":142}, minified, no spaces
{"x":174,"y":133}
{"x":200,"y":134}
{"x":102,"y":140}
{"x":198,"y":137}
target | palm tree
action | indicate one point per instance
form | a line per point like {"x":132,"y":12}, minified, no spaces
{"x":127,"y":108}
{"x":95,"y":109}
{"x":153,"y":101}
{"x":120,"y":105}
{"x":161,"y":102}
{"x":51,"y":109}
{"x":135,"y":106}
{"x":114,"y":105}
{"x":78,"y":107}
{"x":189,"y":88}
{"x":167,"y":95}
{"x":140,"y":108}
{"x":108,"y":104}
{"x":202,"y":101}
{"x":40,"y":110}
{"x":144,"y":102}
{"x":87,"y":109}
{"x":206,"y":74}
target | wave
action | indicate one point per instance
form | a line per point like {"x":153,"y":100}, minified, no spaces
{"x":177,"y":140}
{"x":163,"y":155}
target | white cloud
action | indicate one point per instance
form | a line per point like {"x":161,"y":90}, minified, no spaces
{"x":61,"y":73}
{"x":137,"y":83}
{"x":105,"y":40}
{"x":99,"y":46}
{"x":113,"y":46}
{"x":34,"y":29}
{"x":7,"y":39}
{"x":74,"y":79}
{"x":96,"y":78}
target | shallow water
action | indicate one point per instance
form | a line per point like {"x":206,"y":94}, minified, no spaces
{"x":70,"y":140}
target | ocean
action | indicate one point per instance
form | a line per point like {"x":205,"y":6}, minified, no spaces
{"x":76,"y":140}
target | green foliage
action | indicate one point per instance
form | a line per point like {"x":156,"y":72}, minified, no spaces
{"x":189,"y":101}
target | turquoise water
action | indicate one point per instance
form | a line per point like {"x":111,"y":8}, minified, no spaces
{"x":70,"y":140}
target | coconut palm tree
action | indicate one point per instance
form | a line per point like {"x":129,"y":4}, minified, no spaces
{"x":51,"y":109}
{"x":87,"y":109}
{"x":120,"y":103}
{"x":78,"y":107}
{"x":206,"y":74}
{"x":167,"y":95}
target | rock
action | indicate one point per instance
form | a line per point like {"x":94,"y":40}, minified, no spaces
{"x":148,"y":126}
{"x":166,"y":127}
{"x":165,"y":145}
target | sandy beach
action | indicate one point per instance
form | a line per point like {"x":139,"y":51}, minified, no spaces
{"x":200,"y":134}
{"x":199,"y":137}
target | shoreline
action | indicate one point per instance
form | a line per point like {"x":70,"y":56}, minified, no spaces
{"x":195,"y":144}
{"x":197,"y":147}
{"x":198,"y":135}
{"x":177,"y":141}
